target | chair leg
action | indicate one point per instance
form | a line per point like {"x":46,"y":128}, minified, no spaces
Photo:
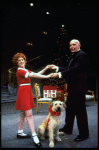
{"x":39,"y":107}
{"x":48,"y":106}
{"x":94,"y":101}
{"x":36,"y":108}
{"x":94,"y":97}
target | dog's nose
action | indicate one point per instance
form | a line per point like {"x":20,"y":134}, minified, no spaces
{"x":58,"y":109}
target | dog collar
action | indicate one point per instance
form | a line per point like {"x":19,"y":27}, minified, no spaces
{"x":52,"y":112}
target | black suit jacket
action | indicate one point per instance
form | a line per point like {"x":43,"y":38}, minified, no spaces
{"x":76,"y":73}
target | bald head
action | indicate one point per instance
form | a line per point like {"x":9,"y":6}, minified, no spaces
{"x":75,"y":40}
{"x":74,"y":45}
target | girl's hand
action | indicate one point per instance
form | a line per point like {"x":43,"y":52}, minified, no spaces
{"x":49,"y":75}
{"x":48,"y":67}
{"x":52,"y":66}
{"x":55,"y":75}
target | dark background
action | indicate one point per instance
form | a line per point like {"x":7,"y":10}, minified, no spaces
{"x":22,"y":23}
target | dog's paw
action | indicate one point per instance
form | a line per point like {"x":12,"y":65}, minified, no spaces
{"x":61,"y":133}
{"x":42,"y":138}
{"x":51,"y":144}
{"x":58,"y":139}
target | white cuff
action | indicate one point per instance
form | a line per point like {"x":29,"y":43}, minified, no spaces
{"x":60,"y":75}
{"x":27,"y":74}
{"x":57,"y":69}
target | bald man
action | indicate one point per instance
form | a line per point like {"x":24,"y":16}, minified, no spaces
{"x":76,"y":77}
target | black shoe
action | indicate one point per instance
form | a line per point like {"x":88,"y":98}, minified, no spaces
{"x":38,"y":145}
{"x":64,"y":130}
{"x":22,"y":136}
{"x":61,"y":130}
{"x":80,"y":138}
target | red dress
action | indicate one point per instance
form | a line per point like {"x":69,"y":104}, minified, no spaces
{"x":25,"y":99}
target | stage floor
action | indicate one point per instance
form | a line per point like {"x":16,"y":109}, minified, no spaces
{"x":9,"y":128}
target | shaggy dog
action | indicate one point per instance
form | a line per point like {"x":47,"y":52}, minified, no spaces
{"x":50,"y":125}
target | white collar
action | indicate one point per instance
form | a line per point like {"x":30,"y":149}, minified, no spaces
{"x":78,"y":50}
{"x":22,"y":69}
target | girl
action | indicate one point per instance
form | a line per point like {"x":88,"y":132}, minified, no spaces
{"x":25,"y":101}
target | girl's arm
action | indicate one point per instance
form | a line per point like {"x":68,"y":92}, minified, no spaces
{"x":39,"y":76}
{"x":43,"y":70}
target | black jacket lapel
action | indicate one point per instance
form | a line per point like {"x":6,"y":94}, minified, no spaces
{"x":74,"y":57}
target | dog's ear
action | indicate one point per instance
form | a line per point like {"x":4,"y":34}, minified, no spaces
{"x":64,"y":105}
{"x":51,"y":104}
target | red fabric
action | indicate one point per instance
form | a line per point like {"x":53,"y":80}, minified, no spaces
{"x":20,"y":74}
{"x":62,"y":95}
{"x":52,"y":114}
{"x":65,"y":90}
{"x":49,"y":87}
{"x":47,"y":123}
{"x":25,"y":99}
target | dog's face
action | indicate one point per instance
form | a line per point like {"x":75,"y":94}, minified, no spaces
{"x":58,"y":106}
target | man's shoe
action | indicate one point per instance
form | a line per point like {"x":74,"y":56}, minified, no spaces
{"x":64,"y":130}
{"x":61,"y":130}
{"x":80,"y":138}
{"x":22,"y":136}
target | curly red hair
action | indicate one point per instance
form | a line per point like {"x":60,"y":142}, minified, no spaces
{"x":16,"y":56}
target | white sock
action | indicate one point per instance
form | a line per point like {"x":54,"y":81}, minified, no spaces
{"x":35,"y":138}
{"x":20,"y":132}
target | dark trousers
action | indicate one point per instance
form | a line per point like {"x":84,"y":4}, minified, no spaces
{"x":76,"y":107}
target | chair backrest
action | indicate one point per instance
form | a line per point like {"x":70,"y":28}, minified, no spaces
{"x":37,"y":91}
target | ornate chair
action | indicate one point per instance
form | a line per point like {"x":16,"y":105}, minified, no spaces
{"x":90,"y":96}
{"x":40,"y":100}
